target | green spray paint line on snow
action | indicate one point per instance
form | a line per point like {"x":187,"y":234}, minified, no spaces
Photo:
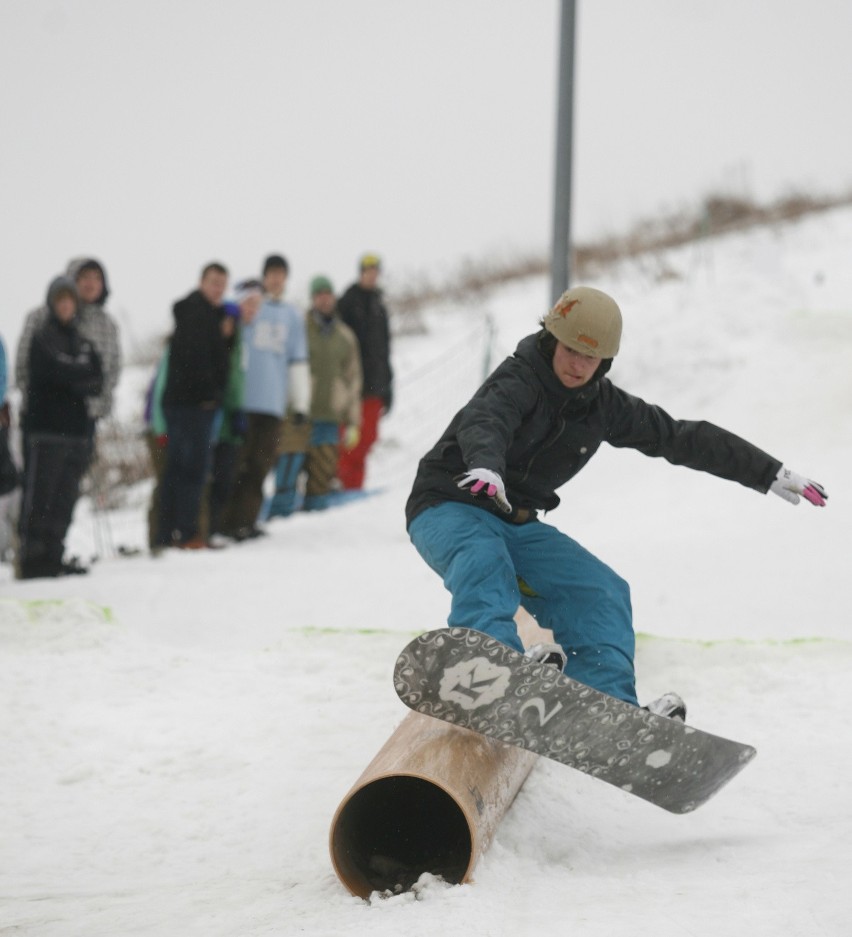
{"x":34,"y":609}
{"x":314,"y":629}
{"x":640,"y":636}
{"x":743,"y":642}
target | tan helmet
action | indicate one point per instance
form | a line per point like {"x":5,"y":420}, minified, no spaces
{"x":586,"y":320}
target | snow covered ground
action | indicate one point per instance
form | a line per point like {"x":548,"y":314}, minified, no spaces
{"x":176,"y":734}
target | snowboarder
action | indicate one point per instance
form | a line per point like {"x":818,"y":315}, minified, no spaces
{"x":533,"y":424}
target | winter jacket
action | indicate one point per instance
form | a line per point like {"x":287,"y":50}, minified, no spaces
{"x":272,"y":343}
{"x":155,"y":419}
{"x":198,"y":355}
{"x":524,"y":424}
{"x":4,"y":377}
{"x":233,"y":427}
{"x":335,"y":370}
{"x":365,"y":313}
{"x":64,"y":370}
{"x":94,"y":323}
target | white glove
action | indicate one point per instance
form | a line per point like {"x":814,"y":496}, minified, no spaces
{"x":788,"y":485}
{"x":483,"y":478}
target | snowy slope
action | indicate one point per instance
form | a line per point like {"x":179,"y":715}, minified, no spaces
{"x":177,"y":733}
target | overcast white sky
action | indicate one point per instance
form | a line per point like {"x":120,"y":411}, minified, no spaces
{"x":160,"y":135}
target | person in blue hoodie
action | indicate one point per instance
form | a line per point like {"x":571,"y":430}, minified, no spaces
{"x":277,"y":378}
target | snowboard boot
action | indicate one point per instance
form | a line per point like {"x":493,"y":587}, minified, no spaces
{"x":669,"y":705}
{"x":551,"y":654}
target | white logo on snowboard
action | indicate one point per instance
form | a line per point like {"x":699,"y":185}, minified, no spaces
{"x":473,"y":683}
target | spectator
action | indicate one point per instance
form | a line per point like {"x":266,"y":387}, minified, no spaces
{"x":4,"y":373}
{"x":95,"y":325}
{"x":249,"y":296}
{"x":335,"y":364}
{"x":64,"y":371}
{"x":156,"y":438}
{"x":8,"y":469}
{"x":196,"y":376}
{"x":362,"y":308}
{"x":275,"y":353}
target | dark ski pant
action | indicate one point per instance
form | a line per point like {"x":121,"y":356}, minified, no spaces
{"x":157,"y":453}
{"x":54,"y":466}
{"x":187,"y":463}
{"x":225,"y":459}
{"x":257,"y":456}
{"x":491,"y":566}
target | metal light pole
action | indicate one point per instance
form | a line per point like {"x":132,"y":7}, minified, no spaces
{"x":560,"y":271}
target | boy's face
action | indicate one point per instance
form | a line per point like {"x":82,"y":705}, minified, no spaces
{"x":369,"y":277}
{"x":213,"y":286}
{"x":573,"y":368}
{"x":323,"y":302}
{"x":65,"y":306}
{"x":249,"y":307}
{"x":274,"y":281}
{"x":90,"y":285}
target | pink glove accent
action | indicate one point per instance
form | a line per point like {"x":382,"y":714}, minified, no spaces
{"x":483,"y":479}
{"x":813,"y":496}
{"x":790,"y":486}
{"x":478,"y":486}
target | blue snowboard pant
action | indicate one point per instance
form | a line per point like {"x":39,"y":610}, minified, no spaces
{"x":490,"y":567}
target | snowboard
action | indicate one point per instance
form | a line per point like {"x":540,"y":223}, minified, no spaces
{"x":470,"y":680}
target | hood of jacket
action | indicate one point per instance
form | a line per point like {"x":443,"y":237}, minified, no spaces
{"x":79,"y":264}
{"x":61,"y":284}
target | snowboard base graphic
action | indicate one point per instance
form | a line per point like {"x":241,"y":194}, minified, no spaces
{"x":473,"y":681}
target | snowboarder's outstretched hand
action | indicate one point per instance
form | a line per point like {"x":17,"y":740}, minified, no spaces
{"x":483,"y":479}
{"x":788,"y":485}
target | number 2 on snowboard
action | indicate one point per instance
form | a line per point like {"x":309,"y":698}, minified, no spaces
{"x":537,"y":703}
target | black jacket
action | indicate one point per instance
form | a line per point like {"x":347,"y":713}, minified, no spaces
{"x":198,"y":355}
{"x":524,"y":424}
{"x":365,"y":313}
{"x":64,"y":369}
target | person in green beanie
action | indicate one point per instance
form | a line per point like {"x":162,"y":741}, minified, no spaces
{"x":335,"y":364}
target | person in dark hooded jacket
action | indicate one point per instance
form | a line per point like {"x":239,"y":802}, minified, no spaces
{"x":64,"y":371}
{"x":535,"y":422}
{"x":362,"y":308}
{"x":93,"y":323}
{"x":195,"y":386}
